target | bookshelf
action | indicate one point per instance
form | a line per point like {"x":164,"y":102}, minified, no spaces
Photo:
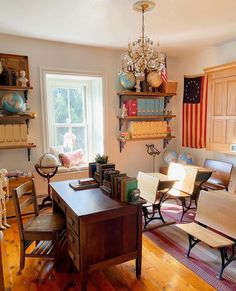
{"x":160,"y":119}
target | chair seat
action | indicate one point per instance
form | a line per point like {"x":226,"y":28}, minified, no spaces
{"x":212,"y":186}
{"x":45,"y":223}
{"x":177,"y":193}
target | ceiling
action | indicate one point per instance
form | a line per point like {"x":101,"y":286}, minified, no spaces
{"x":181,"y":26}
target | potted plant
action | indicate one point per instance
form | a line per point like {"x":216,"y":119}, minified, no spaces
{"x":100,"y":159}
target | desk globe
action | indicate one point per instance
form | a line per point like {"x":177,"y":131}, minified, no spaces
{"x":47,"y":167}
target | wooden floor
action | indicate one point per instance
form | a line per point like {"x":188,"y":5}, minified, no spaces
{"x":160,"y":271}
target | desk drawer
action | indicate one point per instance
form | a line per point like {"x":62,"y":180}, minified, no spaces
{"x":72,"y":220}
{"x":60,"y":203}
{"x":74,"y":256}
{"x":73,"y":239}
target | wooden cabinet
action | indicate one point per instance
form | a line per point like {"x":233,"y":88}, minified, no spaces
{"x":9,"y":139}
{"x":124,"y":122}
{"x":221,"y":126}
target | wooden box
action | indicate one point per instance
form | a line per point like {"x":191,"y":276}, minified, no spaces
{"x":169,"y":87}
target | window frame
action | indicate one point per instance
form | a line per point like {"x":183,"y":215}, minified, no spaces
{"x":44,"y":101}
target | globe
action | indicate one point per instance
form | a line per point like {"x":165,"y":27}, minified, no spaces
{"x":185,"y":158}
{"x":127,"y":80}
{"x":170,"y":156}
{"x":13,"y":102}
{"x":154,"y":79}
{"x":47,"y":163}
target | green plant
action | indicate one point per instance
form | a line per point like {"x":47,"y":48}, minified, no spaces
{"x":101,"y":159}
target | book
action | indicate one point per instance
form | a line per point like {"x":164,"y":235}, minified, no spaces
{"x":127,"y":186}
{"x":86,"y":181}
{"x":77,"y":186}
{"x":114,"y":183}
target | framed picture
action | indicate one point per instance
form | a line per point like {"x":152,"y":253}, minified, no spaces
{"x":10,"y":68}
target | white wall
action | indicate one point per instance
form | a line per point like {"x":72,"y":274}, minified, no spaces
{"x":194,"y":64}
{"x":57,"y":55}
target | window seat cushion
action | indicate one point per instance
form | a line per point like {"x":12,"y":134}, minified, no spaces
{"x":62,"y":169}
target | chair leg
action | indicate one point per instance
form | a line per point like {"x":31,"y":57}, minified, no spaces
{"x":56,"y":247}
{"x":22,"y":254}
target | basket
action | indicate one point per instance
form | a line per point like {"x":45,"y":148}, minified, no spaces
{"x":169,"y":87}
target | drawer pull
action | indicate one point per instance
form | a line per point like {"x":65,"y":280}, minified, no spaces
{"x":71,"y":239}
{"x":72,"y":256}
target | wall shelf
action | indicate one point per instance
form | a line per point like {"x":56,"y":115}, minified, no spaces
{"x":28,"y":146}
{"x":124,"y":121}
{"x":17,"y":88}
{"x":166,"y":140}
{"x":18,"y":118}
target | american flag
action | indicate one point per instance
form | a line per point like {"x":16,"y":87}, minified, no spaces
{"x":164,"y":74}
{"x":194,"y":112}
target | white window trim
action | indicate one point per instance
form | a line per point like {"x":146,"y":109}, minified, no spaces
{"x":44,"y":106}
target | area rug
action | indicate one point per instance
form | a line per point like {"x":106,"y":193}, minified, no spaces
{"x":204,"y":261}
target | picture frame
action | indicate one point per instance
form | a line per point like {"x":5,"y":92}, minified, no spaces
{"x":13,"y":64}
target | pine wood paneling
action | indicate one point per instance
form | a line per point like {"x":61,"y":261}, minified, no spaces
{"x":221,"y":127}
{"x":160,"y":271}
{"x":219,"y":104}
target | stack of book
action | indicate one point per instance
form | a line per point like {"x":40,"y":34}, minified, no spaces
{"x":82,"y":184}
{"x":148,"y":129}
{"x":142,"y":107}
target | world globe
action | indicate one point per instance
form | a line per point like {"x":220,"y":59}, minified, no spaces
{"x":170,"y":156}
{"x":154,"y":79}
{"x":47,"y":163}
{"x":13,"y":103}
{"x":185,"y":158}
{"x":127,"y":80}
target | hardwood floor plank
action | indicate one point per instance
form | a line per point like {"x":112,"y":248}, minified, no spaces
{"x":160,"y":271}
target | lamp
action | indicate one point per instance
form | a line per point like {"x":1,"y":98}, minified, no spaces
{"x":141,"y":56}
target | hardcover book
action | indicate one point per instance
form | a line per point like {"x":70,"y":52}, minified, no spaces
{"x":77,"y":186}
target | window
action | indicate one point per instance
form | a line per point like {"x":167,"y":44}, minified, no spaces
{"x":74,"y":114}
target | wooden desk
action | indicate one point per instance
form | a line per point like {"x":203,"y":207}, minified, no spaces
{"x":101,"y":232}
{"x":165,"y":184}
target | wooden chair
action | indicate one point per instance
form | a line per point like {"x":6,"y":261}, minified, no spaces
{"x":46,"y":230}
{"x":183,"y":189}
{"x":220,"y":177}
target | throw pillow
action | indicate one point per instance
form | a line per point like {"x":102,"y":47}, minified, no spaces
{"x":69,"y":160}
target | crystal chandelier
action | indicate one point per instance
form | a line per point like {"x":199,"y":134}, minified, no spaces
{"x":141,"y":56}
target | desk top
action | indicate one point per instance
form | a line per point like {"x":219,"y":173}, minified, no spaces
{"x":86,"y":202}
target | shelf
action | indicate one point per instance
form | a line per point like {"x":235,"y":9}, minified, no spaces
{"x":20,"y":118}
{"x":14,"y":88}
{"x":28,"y":146}
{"x":17,"y":118}
{"x":166,"y":140}
{"x":144,"y":94}
{"x":146,"y":117}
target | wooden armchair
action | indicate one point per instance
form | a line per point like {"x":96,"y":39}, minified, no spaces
{"x":46,"y":230}
{"x":183,"y":189}
{"x":220,"y":177}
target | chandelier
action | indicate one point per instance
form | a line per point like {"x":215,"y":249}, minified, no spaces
{"x":141,"y":56}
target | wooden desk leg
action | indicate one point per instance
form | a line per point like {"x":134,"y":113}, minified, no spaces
{"x":139,"y":236}
{"x":83,"y":256}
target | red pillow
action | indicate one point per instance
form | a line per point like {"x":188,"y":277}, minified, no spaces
{"x":69,"y":160}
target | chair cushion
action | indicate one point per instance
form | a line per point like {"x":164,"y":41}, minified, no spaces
{"x":45,"y":223}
